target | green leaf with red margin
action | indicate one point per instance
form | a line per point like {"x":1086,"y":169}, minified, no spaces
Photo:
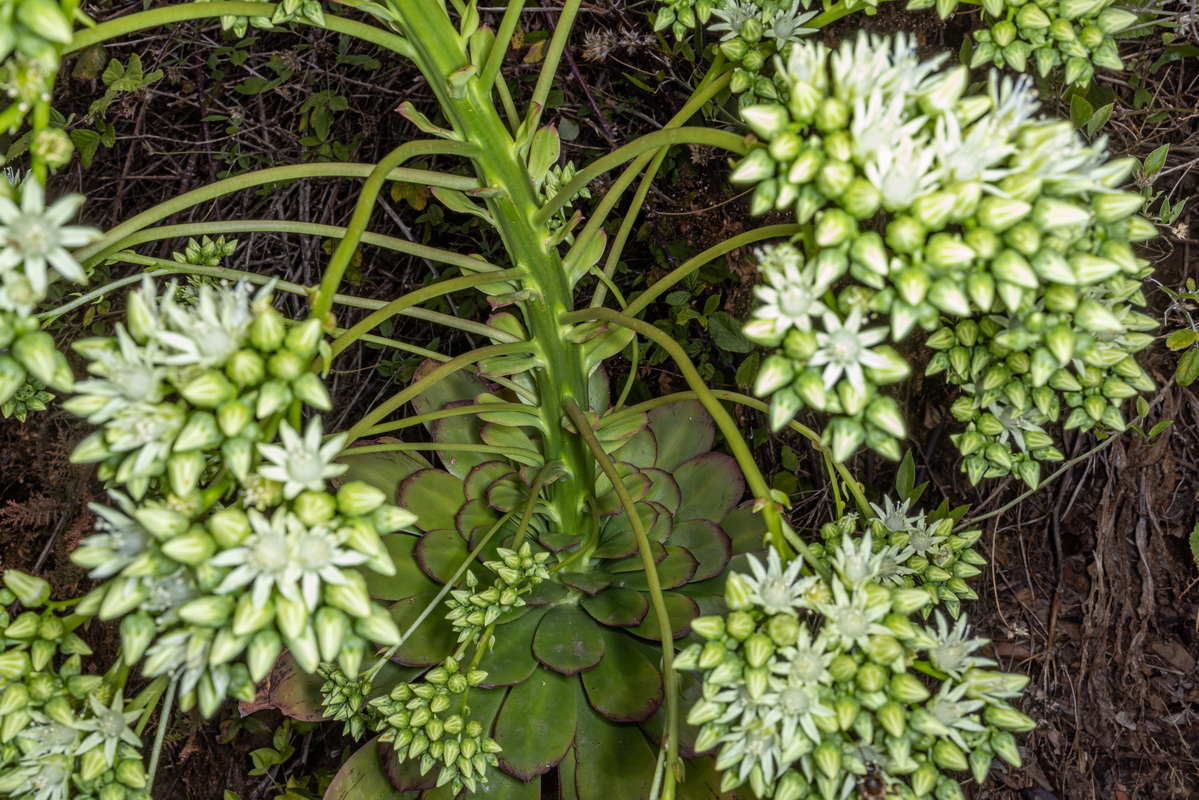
{"x":409,"y":579}
{"x":625,"y":686}
{"x":384,"y":471}
{"x":712,"y":486}
{"x":289,"y":689}
{"x":568,"y":641}
{"x":613,"y":761}
{"x":640,"y":450}
{"x":481,"y":477}
{"x":536,"y":726}
{"x":683,"y":430}
{"x":441,"y":553}
{"x":680,"y":610}
{"x":432,"y":641}
{"x":502,"y":786}
{"x":434,"y":496}
{"x":674,"y":570}
{"x":363,"y":776}
{"x":591,"y":583}
{"x":453,"y":388}
{"x":665,"y":490}
{"x":746,"y":529}
{"x":710,"y":546}
{"x":511,"y":661}
{"x":618,"y":607}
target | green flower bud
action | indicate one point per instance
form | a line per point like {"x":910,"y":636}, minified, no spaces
{"x":708,"y":627}
{"x":834,"y":227}
{"x":843,"y":668}
{"x":31,"y":591}
{"x":767,"y":121}
{"x":754,"y":168}
{"x":905,"y":234}
{"x":37,"y":352}
{"x":1007,"y":718}
{"x":131,"y":773}
{"x":1004,"y":745}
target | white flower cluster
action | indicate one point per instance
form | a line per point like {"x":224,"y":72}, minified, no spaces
{"x":226,"y":545}
{"x":942,"y":209}
{"x":35,"y":244}
{"x":807,"y":683}
{"x":64,"y":734}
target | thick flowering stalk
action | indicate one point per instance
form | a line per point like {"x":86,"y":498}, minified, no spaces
{"x":64,"y":734}
{"x":930,"y":206}
{"x":1074,"y":34}
{"x":807,"y":682}
{"x":228,"y":545}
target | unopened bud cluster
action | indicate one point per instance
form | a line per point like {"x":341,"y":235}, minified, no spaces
{"x":284,"y":12}
{"x":426,"y":720}
{"x":939,"y":207}
{"x":33,"y":34}
{"x":908,"y":551}
{"x":806,"y":682}
{"x":1076,"y":35}
{"x":63,"y":733}
{"x":33,"y":254}
{"x":228,"y":546}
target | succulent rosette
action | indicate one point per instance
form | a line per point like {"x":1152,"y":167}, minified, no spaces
{"x":63,"y":733}
{"x":558,"y":614}
{"x":964,"y":214}
{"x":808,"y":683}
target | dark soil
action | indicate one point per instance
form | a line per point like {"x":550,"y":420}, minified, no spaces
{"x":1089,"y":589}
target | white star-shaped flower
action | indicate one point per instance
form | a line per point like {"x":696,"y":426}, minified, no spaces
{"x":844,"y":349}
{"x":302,"y":463}
{"x":109,"y":727}
{"x":35,"y":237}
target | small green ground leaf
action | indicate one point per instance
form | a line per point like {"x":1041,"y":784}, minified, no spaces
{"x":568,"y":641}
{"x":431,"y":642}
{"x":512,"y":659}
{"x":1195,"y":544}
{"x":440,"y":553}
{"x":622,"y":608}
{"x":683,"y":430}
{"x":613,"y":760}
{"x":624,"y":686}
{"x":363,"y":776}
{"x":712,"y":486}
{"x":1188,"y":367}
{"x":1180,"y":339}
{"x":536,"y":726}
{"x":679,"y":608}
{"x":434,"y":496}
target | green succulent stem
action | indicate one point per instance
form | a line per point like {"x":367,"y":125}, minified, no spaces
{"x":148,"y":699}
{"x":727,"y":425}
{"x":531,"y":504}
{"x":381,"y":315}
{"x":697,"y":262}
{"x":422,"y":447}
{"x":217,"y":228}
{"x":587,"y":546}
{"x":398,"y":400}
{"x":490,"y":76}
{"x":96,"y":251}
{"x":445,"y":413}
{"x":344,"y":253}
{"x":667,"y":137}
{"x":182,"y":12}
{"x":441,"y":55}
{"x":164,"y":719}
{"x":669,"y":678}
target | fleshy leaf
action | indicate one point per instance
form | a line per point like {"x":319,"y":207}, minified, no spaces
{"x":683,"y":430}
{"x":599,"y":390}
{"x":591,"y":583}
{"x":636,"y":483}
{"x":568,"y":641}
{"x":434,"y":496}
{"x":746,"y":529}
{"x":679,"y":608}
{"x":363,"y":776}
{"x":475,"y":516}
{"x":516,"y":443}
{"x":545,"y":592}
{"x":403,"y":774}
{"x":556,"y":542}
{"x":384,"y":471}
{"x":625,"y":686}
{"x":440,"y":553}
{"x":481,"y":477}
{"x":433,"y":639}
{"x":674,"y":570}
{"x":613,"y":760}
{"x":705,"y":540}
{"x":665,"y":490}
{"x":641,"y":450}
{"x":502,"y":786}
{"x":712,"y":486}
{"x":511,"y":661}
{"x":409,"y":579}
{"x":619,"y":607}
{"x":536,"y":726}
{"x":634,"y":563}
